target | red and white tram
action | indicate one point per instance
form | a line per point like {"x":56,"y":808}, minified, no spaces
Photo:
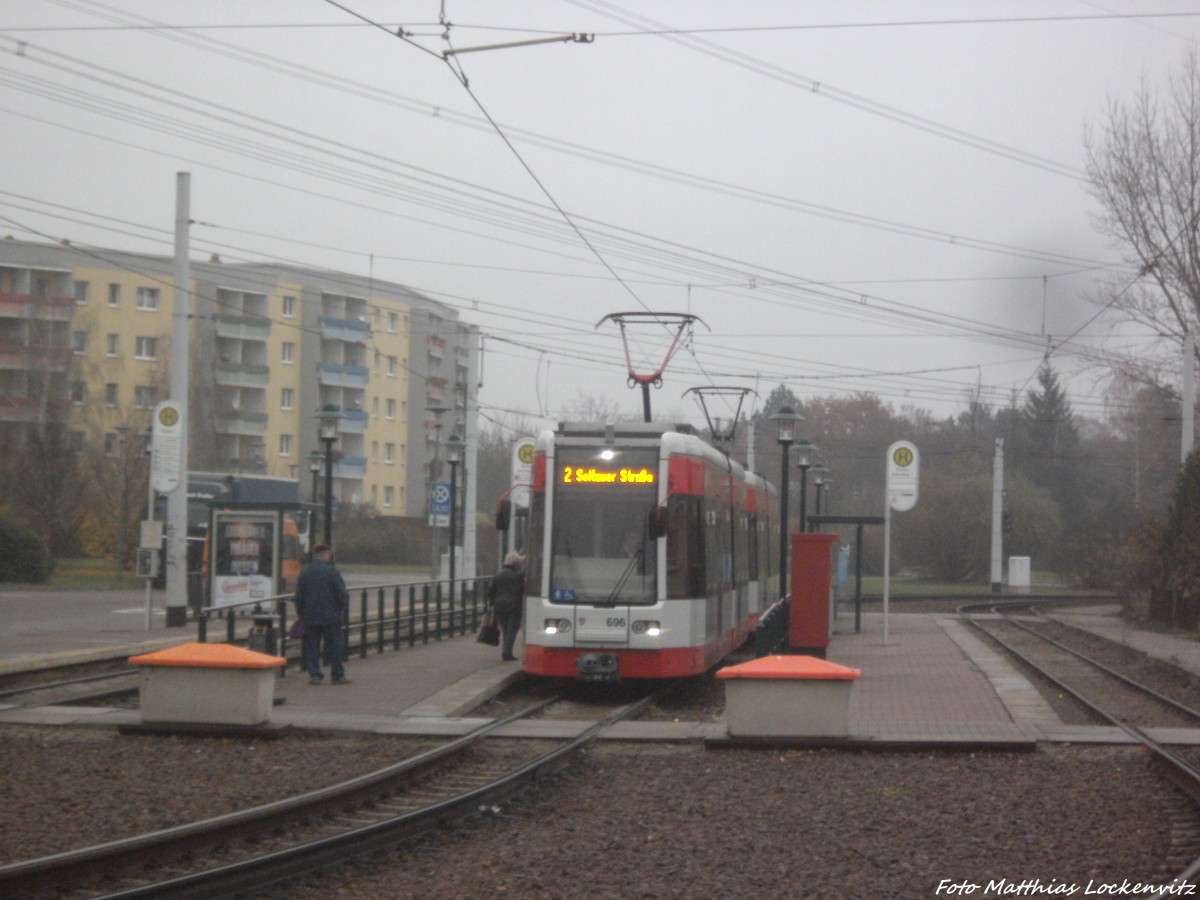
{"x":650,"y":554}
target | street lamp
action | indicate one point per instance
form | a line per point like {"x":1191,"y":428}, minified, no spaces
{"x":785,"y":420}
{"x":805,"y":450}
{"x":327,"y":430}
{"x":314,"y":465}
{"x":821,"y":478}
{"x":454,"y":456}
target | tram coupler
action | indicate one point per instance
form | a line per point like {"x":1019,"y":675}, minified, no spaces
{"x":597,"y":667}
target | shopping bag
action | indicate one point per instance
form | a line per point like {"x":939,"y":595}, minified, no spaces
{"x":489,"y":631}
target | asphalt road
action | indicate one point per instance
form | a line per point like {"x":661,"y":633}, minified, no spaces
{"x":43,"y":623}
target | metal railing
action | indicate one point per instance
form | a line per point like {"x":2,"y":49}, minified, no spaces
{"x":379,"y":617}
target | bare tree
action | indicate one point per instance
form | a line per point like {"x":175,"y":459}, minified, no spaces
{"x":1144,"y":168}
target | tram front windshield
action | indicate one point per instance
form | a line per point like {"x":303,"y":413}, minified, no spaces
{"x":600,"y":544}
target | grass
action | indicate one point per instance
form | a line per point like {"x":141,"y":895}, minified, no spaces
{"x":872,"y":585}
{"x":83,"y":574}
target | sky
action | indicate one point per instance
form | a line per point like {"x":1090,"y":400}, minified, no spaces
{"x":888,"y":197}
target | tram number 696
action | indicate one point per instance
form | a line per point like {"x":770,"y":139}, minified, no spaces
{"x":615,"y":622}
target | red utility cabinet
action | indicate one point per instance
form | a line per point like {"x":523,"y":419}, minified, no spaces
{"x":812,"y":576}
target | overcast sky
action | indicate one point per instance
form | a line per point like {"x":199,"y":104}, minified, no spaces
{"x":850,"y":196}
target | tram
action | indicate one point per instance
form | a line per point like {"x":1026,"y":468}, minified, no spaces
{"x":650,"y":553}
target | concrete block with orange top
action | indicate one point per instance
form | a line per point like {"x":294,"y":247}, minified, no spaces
{"x":788,"y":696}
{"x":207,"y":684}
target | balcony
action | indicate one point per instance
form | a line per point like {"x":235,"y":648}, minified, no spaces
{"x":246,"y":424}
{"x":353,"y":421}
{"x":15,"y":408}
{"x":243,"y":328}
{"x":242,"y":375}
{"x":347,"y":330}
{"x":354,"y":467}
{"x":32,"y":359}
{"x":342,"y":375}
{"x":30,"y":306}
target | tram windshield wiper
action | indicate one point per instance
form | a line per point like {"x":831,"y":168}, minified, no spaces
{"x":611,"y":599}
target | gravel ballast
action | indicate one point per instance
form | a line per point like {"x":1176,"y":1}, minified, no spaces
{"x":659,"y":820}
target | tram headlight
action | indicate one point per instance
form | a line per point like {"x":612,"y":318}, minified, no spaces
{"x":557,"y":626}
{"x":649,"y":628}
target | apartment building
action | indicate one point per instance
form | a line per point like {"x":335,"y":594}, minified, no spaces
{"x":269,"y":346}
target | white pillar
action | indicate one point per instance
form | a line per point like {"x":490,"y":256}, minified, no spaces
{"x":181,"y":305}
{"x":998,"y":517}
{"x":1187,"y":435}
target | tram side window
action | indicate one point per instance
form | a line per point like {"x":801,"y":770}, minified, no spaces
{"x":533,"y":555}
{"x":685,"y":547}
{"x":752,"y":545}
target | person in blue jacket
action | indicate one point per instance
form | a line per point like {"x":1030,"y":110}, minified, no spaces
{"x":321,"y":603}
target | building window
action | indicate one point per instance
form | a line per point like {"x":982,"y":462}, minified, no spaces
{"x":147,"y":298}
{"x":391,"y":367}
{"x":78,"y":392}
{"x":147,"y":348}
{"x":110,"y":444}
{"x":112,"y":343}
{"x":389,"y":497}
{"x":289,"y":352}
{"x":285,"y":445}
{"x":110,"y":394}
{"x":391,"y":410}
{"x":286,"y":396}
{"x":81,"y":293}
{"x":79,"y":341}
{"x":114,"y":295}
{"x":289,"y":307}
{"x":393,"y":321}
{"x":389,"y":453}
{"x":145,"y":396}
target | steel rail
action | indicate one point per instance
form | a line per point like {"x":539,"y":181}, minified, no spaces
{"x":268,"y":869}
{"x":60,"y":869}
{"x":1181,"y":773}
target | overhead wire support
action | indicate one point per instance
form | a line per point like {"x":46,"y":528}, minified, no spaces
{"x":557,"y":39}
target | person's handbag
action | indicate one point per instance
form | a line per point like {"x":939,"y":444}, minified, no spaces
{"x":489,"y":631}
{"x":297,"y":630}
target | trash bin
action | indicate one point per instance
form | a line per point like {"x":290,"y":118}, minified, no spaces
{"x":264,"y":634}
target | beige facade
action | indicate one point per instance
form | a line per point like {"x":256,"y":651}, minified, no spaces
{"x":269,"y":346}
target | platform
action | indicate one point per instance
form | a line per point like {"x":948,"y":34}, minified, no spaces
{"x":933,"y":684}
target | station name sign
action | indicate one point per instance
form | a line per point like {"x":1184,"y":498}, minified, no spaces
{"x":592,"y":475}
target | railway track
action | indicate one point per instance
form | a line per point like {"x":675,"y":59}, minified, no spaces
{"x":246,"y":851}
{"x":1106,"y":694}
{"x":81,"y":689}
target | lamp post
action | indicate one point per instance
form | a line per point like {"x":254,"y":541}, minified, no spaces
{"x":454,"y":456}
{"x":435,"y":471}
{"x":805,"y":449}
{"x":314,"y":466}
{"x":122,"y":501}
{"x":327,"y":430}
{"x":785,"y":420}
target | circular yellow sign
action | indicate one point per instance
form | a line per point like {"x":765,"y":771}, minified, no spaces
{"x":525,"y":453}
{"x":902,"y":457}
{"x":169,"y":416}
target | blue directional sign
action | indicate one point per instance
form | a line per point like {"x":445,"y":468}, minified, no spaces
{"x":439,"y":503}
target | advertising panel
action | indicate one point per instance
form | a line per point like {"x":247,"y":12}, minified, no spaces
{"x":244,"y":556}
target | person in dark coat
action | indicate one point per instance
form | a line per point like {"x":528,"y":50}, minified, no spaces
{"x":321,"y":603}
{"x":507,"y":597}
